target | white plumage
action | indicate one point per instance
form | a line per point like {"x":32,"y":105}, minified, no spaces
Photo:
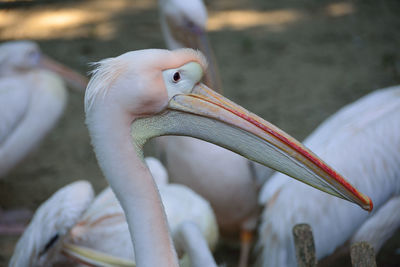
{"x":40,"y":244}
{"x":32,"y":99}
{"x":100,"y":224}
{"x":103,"y":225}
{"x":30,"y":106}
{"x":361,"y":141}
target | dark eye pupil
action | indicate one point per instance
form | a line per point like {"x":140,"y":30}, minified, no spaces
{"x":190,"y":24}
{"x":49,"y":244}
{"x":177,"y":76}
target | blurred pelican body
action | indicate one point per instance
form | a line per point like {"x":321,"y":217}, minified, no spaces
{"x":219,"y":175}
{"x":361,"y":141}
{"x":72,"y":216}
{"x":30,"y":105}
{"x":32,"y":99}
{"x":40,"y":243}
{"x":103,"y":226}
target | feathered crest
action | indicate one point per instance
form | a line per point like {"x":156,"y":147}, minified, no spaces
{"x":105,"y":73}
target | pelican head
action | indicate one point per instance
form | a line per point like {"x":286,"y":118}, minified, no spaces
{"x":183,"y":23}
{"x":181,"y":18}
{"x":41,"y":241}
{"x":24,"y":56}
{"x":158,"y":92}
{"x":19,"y":56}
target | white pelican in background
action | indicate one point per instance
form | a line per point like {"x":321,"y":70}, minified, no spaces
{"x":224,"y":178}
{"x":32,"y":99}
{"x":39,"y":244}
{"x":148,"y":93}
{"x":361,"y":141}
{"x":72,"y":223}
{"x":190,"y":218}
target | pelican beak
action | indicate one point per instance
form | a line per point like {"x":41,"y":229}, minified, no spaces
{"x":193,"y":36}
{"x":92,"y":257}
{"x":72,"y":78}
{"x":207,"y":115}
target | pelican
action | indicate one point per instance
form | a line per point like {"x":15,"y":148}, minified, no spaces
{"x":95,"y":231}
{"x":224,"y":178}
{"x":361,"y":141}
{"x":32,"y":99}
{"x":40,"y":243}
{"x":148,"y":93}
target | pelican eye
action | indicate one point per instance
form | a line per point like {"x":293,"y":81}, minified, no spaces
{"x":31,"y":53}
{"x":49,"y":244}
{"x":190,"y":24}
{"x":33,"y":56}
{"x":177,"y":76}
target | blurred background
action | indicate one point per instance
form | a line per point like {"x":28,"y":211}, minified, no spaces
{"x":294,"y":62}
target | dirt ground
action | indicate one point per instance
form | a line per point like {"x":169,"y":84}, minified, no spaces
{"x":294,"y":62}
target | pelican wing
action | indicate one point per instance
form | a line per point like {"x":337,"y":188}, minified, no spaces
{"x":50,"y":224}
{"x":361,"y":141}
{"x":14,"y":102}
{"x":364,"y":113}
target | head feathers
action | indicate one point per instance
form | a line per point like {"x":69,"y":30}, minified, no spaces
{"x":104,"y":74}
{"x":107,"y":71}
